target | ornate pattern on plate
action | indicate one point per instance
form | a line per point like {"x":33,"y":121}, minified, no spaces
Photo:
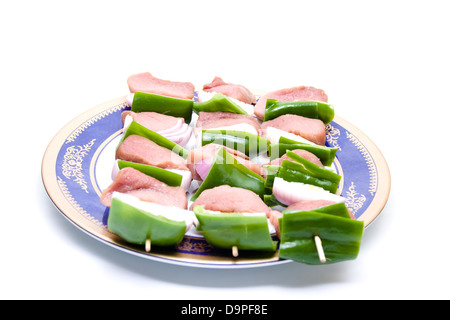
{"x":332,"y":136}
{"x":354,"y":201}
{"x":369,"y":160}
{"x":65,"y":190}
{"x":193,"y":245}
{"x":72,"y":166}
{"x":93,"y":120}
{"x":74,"y":162}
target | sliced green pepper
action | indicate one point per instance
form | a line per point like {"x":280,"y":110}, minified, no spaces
{"x":340,"y":236}
{"x":228,"y":230}
{"x":314,"y":169}
{"x":309,"y":109}
{"x":325,"y":154}
{"x":294,"y":172}
{"x":138,"y":225}
{"x":245,"y":142}
{"x":299,"y":170}
{"x":336,"y":209}
{"x":168,"y":177}
{"x":227,"y":170}
{"x":218,"y":103}
{"x":271,"y":201}
{"x":269,"y":198}
{"x":302,"y":170}
{"x":138,"y":129}
{"x":149,"y":102}
{"x":271,"y":174}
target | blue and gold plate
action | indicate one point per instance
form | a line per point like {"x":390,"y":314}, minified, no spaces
{"x":78,"y":162}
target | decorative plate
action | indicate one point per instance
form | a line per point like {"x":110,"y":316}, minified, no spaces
{"x":78,"y":162}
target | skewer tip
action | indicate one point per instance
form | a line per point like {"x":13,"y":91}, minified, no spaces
{"x":235,"y":251}
{"x":320,"y":251}
{"x":148,"y":245}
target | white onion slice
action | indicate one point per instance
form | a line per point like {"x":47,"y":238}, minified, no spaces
{"x":127,"y":122}
{"x":171,"y":213}
{"x":130,"y":99}
{"x":289,"y":193}
{"x":186,"y":177}
{"x":115,"y":170}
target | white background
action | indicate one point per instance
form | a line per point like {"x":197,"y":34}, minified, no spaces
{"x":384,"y":65}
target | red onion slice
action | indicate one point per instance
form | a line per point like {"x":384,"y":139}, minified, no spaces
{"x":176,"y":128}
{"x":179,"y":134}
{"x":202,"y":167}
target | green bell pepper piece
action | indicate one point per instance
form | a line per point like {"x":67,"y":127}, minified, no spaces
{"x":340,"y":235}
{"x":226,"y":230}
{"x":271,"y":174}
{"x":309,"y":173}
{"x":318,"y":171}
{"x":269,"y":198}
{"x":136,"y":225}
{"x":309,"y":109}
{"x":271,"y":201}
{"x":336,"y":209}
{"x":250,"y":144}
{"x":227,"y":170}
{"x":325,"y":154}
{"x":168,"y":177}
{"x":138,"y":129}
{"x":218,"y":103}
{"x":302,"y":170}
{"x":149,"y":102}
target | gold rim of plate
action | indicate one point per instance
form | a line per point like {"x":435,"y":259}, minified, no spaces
{"x":98,"y":231}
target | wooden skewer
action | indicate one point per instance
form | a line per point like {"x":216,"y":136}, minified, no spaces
{"x":235,"y":251}
{"x":148,"y":245}
{"x":320,"y":251}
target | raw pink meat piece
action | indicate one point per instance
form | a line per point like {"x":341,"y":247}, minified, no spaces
{"x":211,"y":120}
{"x":146,"y":82}
{"x":153,"y":120}
{"x":231,"y":199}
{"x":133,"y":182}
{"x":313,"y":130}
{"x":273,"y":218}
{"x":142,"y":150}
{"x":235,"y":91}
